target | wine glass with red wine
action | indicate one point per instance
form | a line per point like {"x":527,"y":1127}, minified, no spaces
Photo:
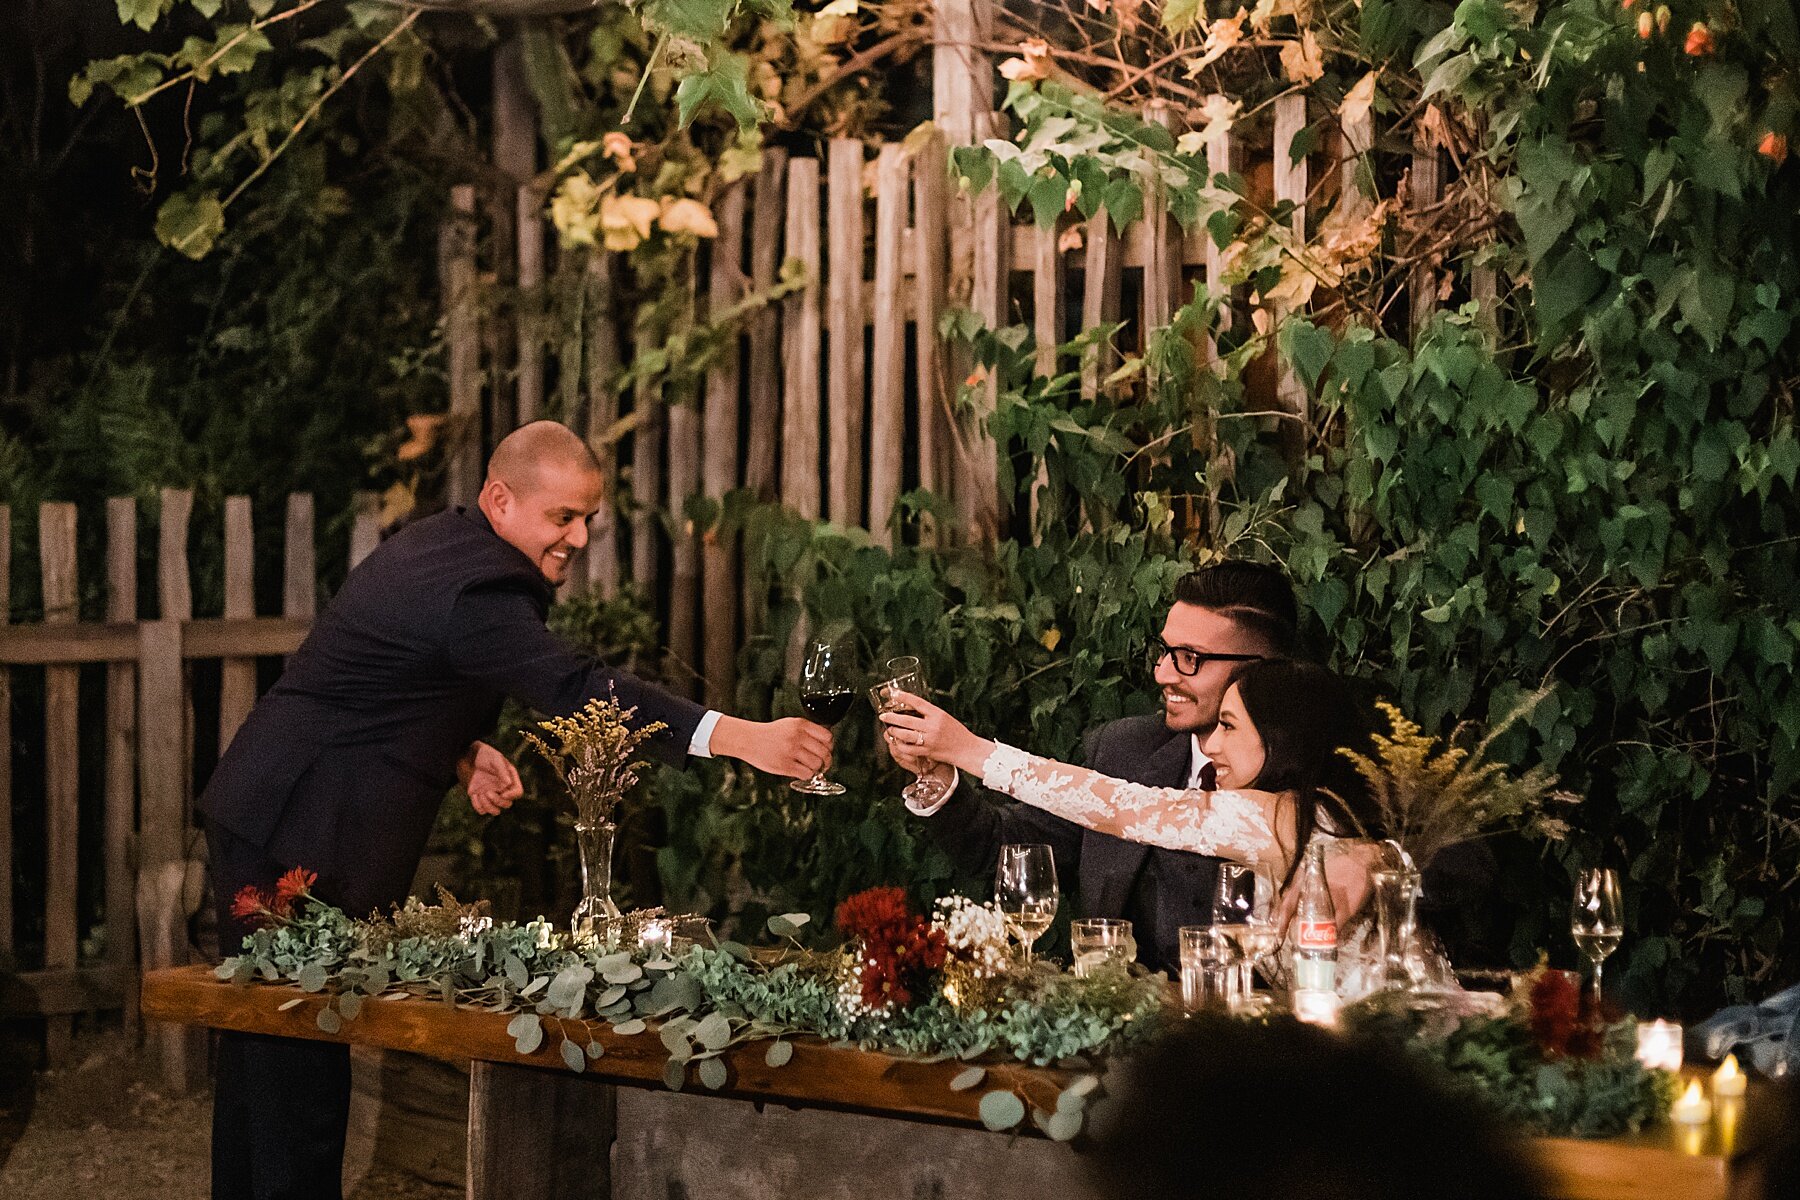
{"x":827,"y":688}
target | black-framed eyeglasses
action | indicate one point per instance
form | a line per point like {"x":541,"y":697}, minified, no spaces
{"x":1188,"y":660}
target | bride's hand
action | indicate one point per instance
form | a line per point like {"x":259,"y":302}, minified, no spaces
{"x":923,"y":730}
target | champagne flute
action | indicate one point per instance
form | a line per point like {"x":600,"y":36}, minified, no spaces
{"x":1025,"y":891}
{"x":1243,"y":904}
{"x":905,"y":675}
{"x":1597,"y":918}
{"x":826,"y":692}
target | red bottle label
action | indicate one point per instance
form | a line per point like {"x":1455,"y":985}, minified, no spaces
{"x":1318,"y":935}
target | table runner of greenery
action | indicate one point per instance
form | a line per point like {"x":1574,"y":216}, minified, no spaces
{"x":933,"y":989}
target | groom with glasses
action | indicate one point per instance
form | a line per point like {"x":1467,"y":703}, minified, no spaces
{"x":1223,"y":615}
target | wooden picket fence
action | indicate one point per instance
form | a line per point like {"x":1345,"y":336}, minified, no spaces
{"x":152,"y":862}
{"x":833,"y":401}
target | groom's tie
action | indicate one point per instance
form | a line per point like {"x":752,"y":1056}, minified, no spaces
{"x":1209,"y":776}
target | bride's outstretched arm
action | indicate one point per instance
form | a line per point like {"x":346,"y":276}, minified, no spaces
{"x":1252,"y":827}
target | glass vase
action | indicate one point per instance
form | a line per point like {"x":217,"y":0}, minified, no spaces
{"x":596,"y":917}
{"x":1396,"y":917}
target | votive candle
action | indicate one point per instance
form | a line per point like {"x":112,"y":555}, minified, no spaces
{"x":655,"y":936}
{"x":1729,"y":1080}
{"x":1693,"y":1108}
{"x":1316,"y":1007}
{"x":1659,"y":1046}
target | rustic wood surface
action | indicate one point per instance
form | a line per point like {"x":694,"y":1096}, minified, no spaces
{"x":1656,"y":1165}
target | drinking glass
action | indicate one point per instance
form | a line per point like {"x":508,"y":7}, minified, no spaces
{"x":1243,"y":910}
{"x":1597,"y":918}
{"x":905,"y":675}
{"x":1209,"y":965}
{"x":1025,"y":891}
{"x":1097,"y":940}
{"x":827,"y":688}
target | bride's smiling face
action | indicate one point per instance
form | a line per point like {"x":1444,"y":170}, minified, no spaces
{"x":1234,"y":746}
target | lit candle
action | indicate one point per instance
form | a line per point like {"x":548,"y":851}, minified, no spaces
{"x":1659,"y":1046}
{"x":1728,"y":1080}
{"x":1316,"y":1007}
{"x":1693,"y":1108}
{"x":654,"y":936}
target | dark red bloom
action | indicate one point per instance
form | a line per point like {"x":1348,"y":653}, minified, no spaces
{"x":292,"y":886}
{"x":1555,"y":1011}
{"x":250,"y":904}
{"x":896,"y":946}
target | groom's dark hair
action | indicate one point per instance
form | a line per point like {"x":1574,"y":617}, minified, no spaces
{"x":1256,"y":595}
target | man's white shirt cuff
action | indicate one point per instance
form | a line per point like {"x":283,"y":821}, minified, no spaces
{"x":700,"y":745}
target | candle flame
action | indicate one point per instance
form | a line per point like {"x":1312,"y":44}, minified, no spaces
{"x":1729,"y":1068}
{"x":1692,"y":1095}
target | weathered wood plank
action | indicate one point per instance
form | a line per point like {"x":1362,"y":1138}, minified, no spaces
{"x":299,"y":574}
{"x":1426,"y":188}
{"x":801,"y":335}
{"x":602,"y":555}
{"x":462,"y":340}
{"x":530,"y":224}
{"x":173,"y":589}
{"x":121,"y":750}
{"x":1158,"y":242}
{"x":719,"y":582}
{"x":684,"y":468}
{"x":1046,"y":298}
{"x":62,"y":763}
{"x":365,"y":527}
{"x":648,"y":410}
{"x":1291,"y":185}
{"x":979,"y":503}
{"x":6,"y":775}
{"x":962,"y":77}
{"x":163,"y":757}
{"x":930,"y":179}
{"x":763,"y":416}
{"x":66,"y":991}
{"x":1218,"y":162}
{"x":1103,"y":267}
{"x":887,"y":408}
{"x":512,"y":1108}
{"x":95,"y":642}
{"x":237,"y":676}
{"x":844,"y":332}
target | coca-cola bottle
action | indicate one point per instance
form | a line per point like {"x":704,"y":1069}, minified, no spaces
{"x":1315,"y":924}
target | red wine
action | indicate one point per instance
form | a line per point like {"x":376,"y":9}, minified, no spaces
{"x":827,"y":708}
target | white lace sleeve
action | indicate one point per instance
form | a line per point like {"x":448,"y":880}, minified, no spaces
{"x":1227,"y":824}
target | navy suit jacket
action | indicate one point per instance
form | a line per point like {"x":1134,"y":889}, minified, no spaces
{"x":341,"y":767}
{"x":1158,"y":890}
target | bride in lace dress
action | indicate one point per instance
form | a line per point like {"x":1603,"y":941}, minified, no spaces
{"x":1281,"y":782}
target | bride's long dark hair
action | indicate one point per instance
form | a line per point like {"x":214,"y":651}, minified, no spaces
{"x":1304,"y":715}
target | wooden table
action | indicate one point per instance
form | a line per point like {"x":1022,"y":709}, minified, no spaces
{"x":537,"y":1129}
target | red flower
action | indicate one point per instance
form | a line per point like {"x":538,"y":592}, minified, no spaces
{"x":250,"y":904}
{"x":1774,"y":147}
{"x":1699,"y":40}
{"x":896,"y":946}
{"x":1554,"y":1011}
{"x":293,"y":885}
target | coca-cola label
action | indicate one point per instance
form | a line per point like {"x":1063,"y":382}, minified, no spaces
{"x":1318,"y":935}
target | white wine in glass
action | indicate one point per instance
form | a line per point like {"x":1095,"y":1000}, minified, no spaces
{"x":1597,"y":918}
{"x":1025,"y":891}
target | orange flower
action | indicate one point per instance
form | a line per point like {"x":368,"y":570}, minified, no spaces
{"x":976,"y":377}
{"x":249,"y":904}
{"x":1646,"y":24}
{"x":1626,"y":3}
{"x":1773,"y":147}
{"x":1699,"y":39}
{"x":293,"y":885}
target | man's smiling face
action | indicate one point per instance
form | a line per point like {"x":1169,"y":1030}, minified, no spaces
{"x":547,"y":518}
{"x":1191,"y":702}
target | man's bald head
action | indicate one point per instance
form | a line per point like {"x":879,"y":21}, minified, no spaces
{"x":543,"y":484}
{"x":531,"y":452}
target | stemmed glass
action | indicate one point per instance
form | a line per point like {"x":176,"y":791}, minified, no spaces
{"x":1025,"y":891}
{"x":905,"y":675}
{"x":827,"y":688}
{"x":1597,"y":918}
{"x":1243,"y":910}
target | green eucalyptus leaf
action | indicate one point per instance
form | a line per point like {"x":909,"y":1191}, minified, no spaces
{"x":1002,"y":1110}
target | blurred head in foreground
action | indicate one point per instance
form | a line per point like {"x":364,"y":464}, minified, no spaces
{"x":1229,"y":1108}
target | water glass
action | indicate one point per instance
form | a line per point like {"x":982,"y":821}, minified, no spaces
{"x":1098,"y":940}
{"x":1209,"y":964}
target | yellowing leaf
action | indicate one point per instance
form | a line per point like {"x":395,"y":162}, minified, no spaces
{"x":1033,"y":63}
{"x":1266,"y":11}
{"x":617,"y":146}
{"x":625,"y":220}
{"x":689,"y":217}
{"x":1051,"y":637}
{"x":1224,"y":34}
{"x":839,"y":8}
{"x":574,"y":209}
{"x":1302,"y":61}
{"x":1357,"y":101}
{"x":1217,"y":115}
